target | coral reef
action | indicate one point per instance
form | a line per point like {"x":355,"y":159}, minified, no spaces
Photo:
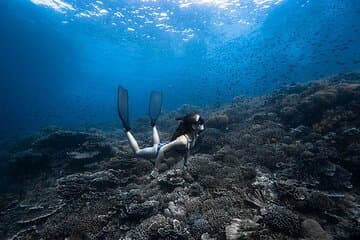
{"x":284,"y":166}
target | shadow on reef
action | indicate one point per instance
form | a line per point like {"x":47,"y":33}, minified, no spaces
{"x":284,"y":166}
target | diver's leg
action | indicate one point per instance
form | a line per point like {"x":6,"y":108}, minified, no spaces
{"x":145,"y":152}
{"x":133,"y":143}
{"x":156,"y":138}
{"x":148,"y":152}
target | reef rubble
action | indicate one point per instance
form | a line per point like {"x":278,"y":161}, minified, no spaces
{"x":283,"y":166}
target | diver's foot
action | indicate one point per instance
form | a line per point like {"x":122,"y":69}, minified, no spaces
{"x":126,"y":126}
{"x":154,"y":174}
{"x":187,"y":176}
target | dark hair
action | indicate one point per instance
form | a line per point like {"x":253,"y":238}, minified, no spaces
{"x":185,"y":125}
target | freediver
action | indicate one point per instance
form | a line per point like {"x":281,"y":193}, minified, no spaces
{"x":182,"y":141}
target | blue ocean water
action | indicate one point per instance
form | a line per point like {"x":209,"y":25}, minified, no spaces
{"x":62,"y":60}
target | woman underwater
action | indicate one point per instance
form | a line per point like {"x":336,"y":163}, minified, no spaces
{"x":181,"y":142}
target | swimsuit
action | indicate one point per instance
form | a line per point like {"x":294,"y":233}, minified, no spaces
{"x":159,"y":146}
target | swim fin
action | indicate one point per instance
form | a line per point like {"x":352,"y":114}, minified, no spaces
{"x":123,"y":107}
{"x":155,"y":106}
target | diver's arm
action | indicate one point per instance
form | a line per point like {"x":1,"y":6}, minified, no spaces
{"x":180,"y":141}
{"x":186,"y":158}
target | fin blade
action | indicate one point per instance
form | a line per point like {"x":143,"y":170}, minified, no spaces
{"x":155,"y":106}
{"x":123,"y":107}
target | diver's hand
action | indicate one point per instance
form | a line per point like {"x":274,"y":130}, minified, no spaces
{"x":154,"y":173}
